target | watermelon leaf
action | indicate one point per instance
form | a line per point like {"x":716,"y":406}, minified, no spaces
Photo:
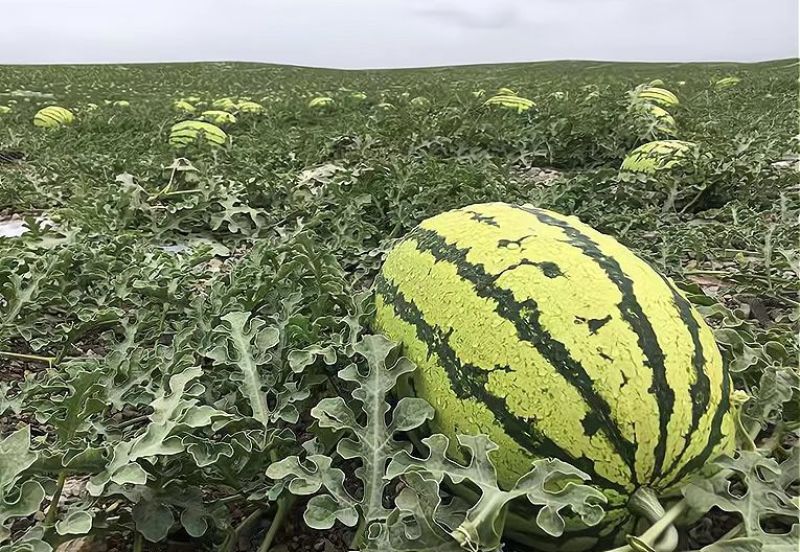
{"x":174,"y":411}
{"x":550,"y":484}
{"x":17,"y":498}
{"x":417,"y":524}
{"x":756,"y":488}
{"x":371,"y":442}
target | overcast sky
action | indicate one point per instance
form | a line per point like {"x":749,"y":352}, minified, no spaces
{"x":395,"y":33}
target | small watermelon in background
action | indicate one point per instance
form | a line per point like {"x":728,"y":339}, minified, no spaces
{"x":225,"y":104}
{"x":556,"y":341}
{"x":53,"y":117}
{"x":664,"y":122}
{"x":184,"y":106}
{"x":358,"y":96}
{"x":420,"y":101}
{"x":657,"y":155}
{"x":510,"y":102}
{"x":122,"y":103}
{"x":218,"y":117}
{"x":186,"y":133}
{"x":658,"y":96}
{"x":250,"y":107}
{"x":727,"y":82}
{"x":505,"y":92}
{"x":5,"y":109}
{"x":321,"y":101}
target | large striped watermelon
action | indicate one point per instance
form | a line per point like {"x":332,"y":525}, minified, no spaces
{"x":556,"y":341}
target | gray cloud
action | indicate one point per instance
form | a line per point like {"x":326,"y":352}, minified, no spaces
{"x":395,"y":33}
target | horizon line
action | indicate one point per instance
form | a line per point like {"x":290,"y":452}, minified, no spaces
{"x":790,"y":60}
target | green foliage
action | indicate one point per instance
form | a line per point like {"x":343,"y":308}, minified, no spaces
{"x":758,"y":490}
{"x":173,"y":328}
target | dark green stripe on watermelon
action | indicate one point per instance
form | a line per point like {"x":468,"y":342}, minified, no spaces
{"x":714,"y":437}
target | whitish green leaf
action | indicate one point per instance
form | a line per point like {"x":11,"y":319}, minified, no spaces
{"x":7,"y":402}
{"x":414,"y":525}
{"x":372,"y":442}
{"x":76,"y":522}
{"x":782,"y":543}
{"x":29,"y":496}
{"x":776,"y":386}
{"x":764,"y":494}
{"x":244,"y":343}
{"x":17,"y":499}
{"x":744,"y":544}
{"x":153,"y":520}
{"x":16,"y":456}
{"x":30,"y":541}
{"x":551,"y":485}
{"x":194,"y":521}
{"x":322,"y":512}
{"x":172,"y":408}
{"x":299,"y":359}
{"x":308,"y":477}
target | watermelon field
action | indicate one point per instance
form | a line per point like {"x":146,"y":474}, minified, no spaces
{"x":538,"y":307}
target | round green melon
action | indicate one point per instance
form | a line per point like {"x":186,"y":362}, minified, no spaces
{"x":218,"y":117}
{"x":226,"y":104}
{"x":727,"y":82}
{"x":658,"y":96}
{"x":53,"y":117}
{"x":556,"y":341}
{"x":664,"y":122}
{"x":188,"y":132}
{"x":184,"y":106}
{"x":321,"y":101}
{"x":250,"y":107}
{"x":510,"y":102}
{"x":656,"y":155}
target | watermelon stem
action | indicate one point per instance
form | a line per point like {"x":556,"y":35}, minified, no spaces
{"x":642,"y":504}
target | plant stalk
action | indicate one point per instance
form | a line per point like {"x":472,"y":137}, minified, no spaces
{"x":358,"y":536}
{"x":284,"y":505}
{"x":33,"y":358}
{"x":655,"y":530}
{"x":645,"y":503}
{"x":138,"y":542}
{"x":52,"y":509}
{"x":245,"y":525}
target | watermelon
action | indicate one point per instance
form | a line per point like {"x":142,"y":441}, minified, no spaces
{"x":53,"y":117}
{"x":510,"y":102}
{"x":658,"y":96}
{"x":556,"y":341}
{"x":188,"y":132}
{"x":250,"y":107}
{"x":218,"y":117}
{"x":320,"y":101}
{"x":656,"y":155}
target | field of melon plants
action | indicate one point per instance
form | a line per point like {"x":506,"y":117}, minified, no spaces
{"x":200,"y":349}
